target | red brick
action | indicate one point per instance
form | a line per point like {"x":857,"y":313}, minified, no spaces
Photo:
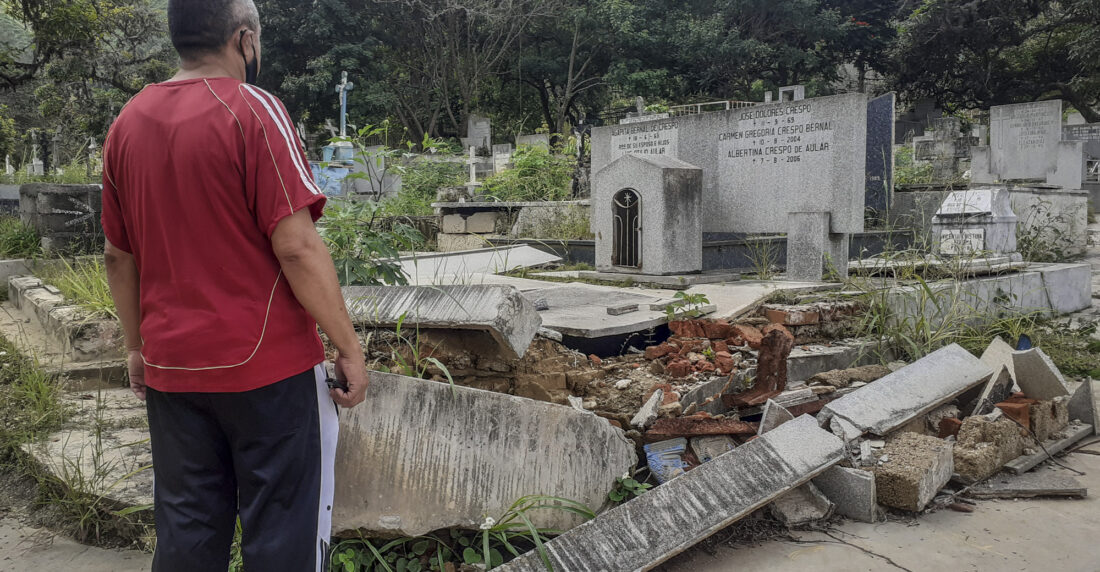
{"x":777,"y":328}
{"x":720,"y":347}
{"x":1018,"y":412}
{"x":743,"y":334}
{"x":792,"y":318}
{"x":687,"y":346}
{"x":687,"y":328}
{"x":615,"y":423}
{"x":717,"y":330}
{"x":704,"y":366}
{"x":949,"y":427}
{"x":724,"y":364}
{"x":679,"y":368}
{"x":670,"y":396}
{"x":771,"y":368}
{"x":657,"y":352}
{"x":596,"y":359}
{"x":671,"y":428}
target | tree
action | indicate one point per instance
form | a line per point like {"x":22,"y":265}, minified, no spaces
{"x":977,"y":53}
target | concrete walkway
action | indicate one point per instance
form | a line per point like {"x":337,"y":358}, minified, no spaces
{"x":23,"y":549}
{"x":1025,"y":535}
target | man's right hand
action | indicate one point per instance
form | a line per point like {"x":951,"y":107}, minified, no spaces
{"x":352,"y":370}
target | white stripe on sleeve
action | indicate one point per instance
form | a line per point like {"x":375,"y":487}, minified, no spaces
{"x":305,"y":175}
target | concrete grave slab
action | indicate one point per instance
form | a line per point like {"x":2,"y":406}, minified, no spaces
{"x":458,"y":267}
{"x":1081,"y":403}
{"x":909,"y":392}
{"x":1037,"y":375}
{"x":1029,"y":485}
{"x":1025,"y":463}
{"x":853,"y":492}
{"x":418,"y":456}
{"x":501,"y":311}
{"x":1023,"y":138}
{"x":652,"y":528}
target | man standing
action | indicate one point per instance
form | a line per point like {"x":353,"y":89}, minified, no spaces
{"x":220,"y":281}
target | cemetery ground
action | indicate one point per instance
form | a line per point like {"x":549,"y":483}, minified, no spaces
{"x":42,"y":512}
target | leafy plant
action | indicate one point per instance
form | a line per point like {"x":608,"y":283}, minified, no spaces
{"x":17,"y":240}
{"x":419,"y":183}
{"x":686,"y":306}
{"x":363,"y":253}
{"x":536,"y":175}
{"x":1043,"y":236}
{"x":626,"y":488}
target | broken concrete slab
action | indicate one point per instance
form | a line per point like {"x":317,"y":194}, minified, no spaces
{"x":853,"y":492}
{"x":1081,"y":403}
{"x":841,"y":378}
{"x":999,"y":353}
{"x":773,"y":416}
{"x":911,"y":470}
{"x":419,"y":456}
{"x":654,"y":527}
{"x":997,"y":389}
{"x":909,"y":392}
{"x":1025,"y":463}
{"x":456,"y":267}
{"x":1037,"y":375}
{"x":501,"y":311}
{"x":802,"y":506}
{"x":1049,"y":417}
{"x":1029,"y":485}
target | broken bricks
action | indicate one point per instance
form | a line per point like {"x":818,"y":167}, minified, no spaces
{"x":670,"y":428}
{"x":771,"y":368}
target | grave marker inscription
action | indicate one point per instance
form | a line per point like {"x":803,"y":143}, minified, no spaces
{"x":1024,"y":139}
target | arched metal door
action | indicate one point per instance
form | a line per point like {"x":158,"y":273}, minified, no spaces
{"x":627,"y":240}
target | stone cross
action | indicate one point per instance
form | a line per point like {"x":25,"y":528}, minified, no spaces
{"x":330,"y":128}
{"x":472,"y":162}
{"x":342,"y":89}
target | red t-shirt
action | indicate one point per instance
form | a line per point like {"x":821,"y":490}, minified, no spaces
{"x":196,"y":175}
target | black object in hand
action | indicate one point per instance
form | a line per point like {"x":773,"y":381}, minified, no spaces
{"x":334,"y":383}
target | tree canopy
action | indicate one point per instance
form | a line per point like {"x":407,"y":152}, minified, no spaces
{"x":426,"y":65}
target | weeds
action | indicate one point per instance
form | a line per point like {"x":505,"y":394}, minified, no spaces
{"x":363,"y":253}
{"x":17,"y":240}
{"x":686,"y":306}
{"x":29,"y":398}
{"x":626,"y":488}
{"x":84,"y":284}
{"x":1043,"y":236}
{"x":536,"y":175}
{"x":498,"y":539}
{"x":763,"y":253}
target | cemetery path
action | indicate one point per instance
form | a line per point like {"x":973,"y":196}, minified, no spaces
{"x":1025,"y":534}
{"x":24,"y":548}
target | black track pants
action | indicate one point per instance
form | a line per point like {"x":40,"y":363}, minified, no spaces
{"x":266,"y":454}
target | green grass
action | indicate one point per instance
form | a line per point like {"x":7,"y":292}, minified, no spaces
{"x":17,"y":240}
{"x":84,"y":284}
{"x":29,"y":398}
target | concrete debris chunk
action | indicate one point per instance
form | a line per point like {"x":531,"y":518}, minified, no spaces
{"x":939,"y":414}
{"x":499,"y":310}
{"x":803,"y":505}
{"x":654,"y":527}
{"x":774,"y":415}
{"x":908,"y":393}
{"x":997,"y":389}
{"x":853,"y":492}
{"x":845,"y":429}
{"x":419,"y":456}
{"x":1082,"y":406}
{"x":918,"y":467}
{"x":648,"y":413}
{"x":841,"y":378}
{"x":1037,"y":375}
{"x":984,"y":444}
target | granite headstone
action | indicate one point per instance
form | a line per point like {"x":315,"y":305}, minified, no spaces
{"x":880,"y":153}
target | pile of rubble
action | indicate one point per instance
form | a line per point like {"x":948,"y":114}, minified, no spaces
{"x":920,"y":437}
